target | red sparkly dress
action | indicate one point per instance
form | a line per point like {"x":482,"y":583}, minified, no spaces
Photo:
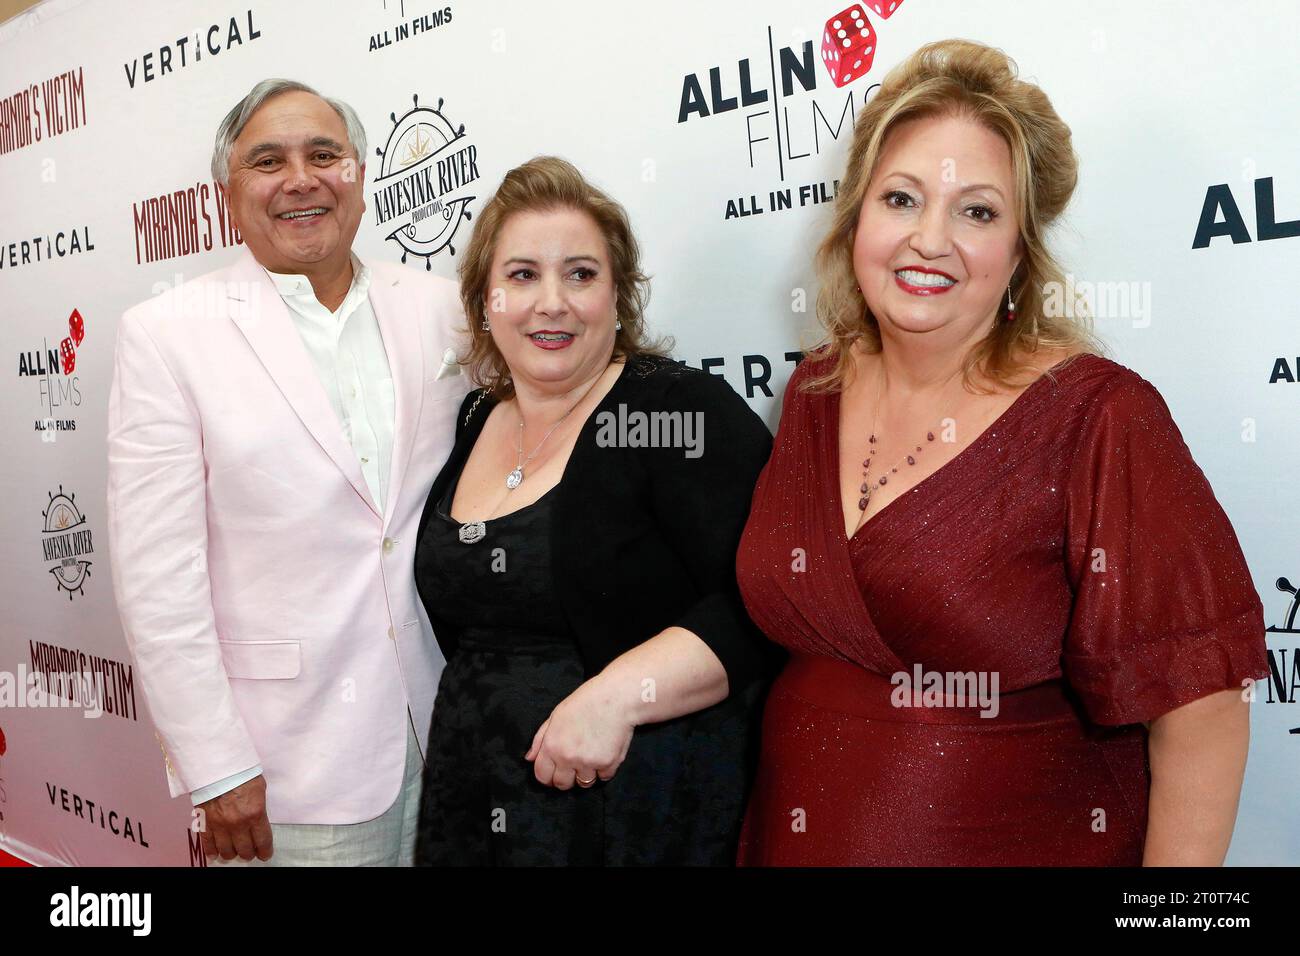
{"x":1074,"y":551}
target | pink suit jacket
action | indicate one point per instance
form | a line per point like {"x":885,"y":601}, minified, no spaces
{"x":270,"y":607}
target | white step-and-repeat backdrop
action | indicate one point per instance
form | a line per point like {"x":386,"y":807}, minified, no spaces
{"x":719,"y":128}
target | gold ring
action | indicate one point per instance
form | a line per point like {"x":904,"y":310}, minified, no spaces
{"x":584,"y":783}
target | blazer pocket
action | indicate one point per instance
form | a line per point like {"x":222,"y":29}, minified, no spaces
{"x":446,"y":390}
{"x":262,"y":660}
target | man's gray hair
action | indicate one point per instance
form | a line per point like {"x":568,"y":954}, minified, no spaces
{"x":238,"y":118}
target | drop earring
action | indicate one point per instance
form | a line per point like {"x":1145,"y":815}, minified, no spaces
{"x":484,"y":325}
{"x":1011,"y":306}
{"x":618,"y":325}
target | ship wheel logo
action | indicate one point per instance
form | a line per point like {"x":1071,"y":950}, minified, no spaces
{"x":421,"y":166}
{"x":1286,"y":587}
{"x":62,"y":518}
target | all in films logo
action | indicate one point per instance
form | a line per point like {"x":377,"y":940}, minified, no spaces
{"x":420,"y":24}
{"x":424,"y":186}
{"x":783,"y":109}
{"x":1283,"y":684}
{"x":55,"y":369}
{"x":66,"y":542}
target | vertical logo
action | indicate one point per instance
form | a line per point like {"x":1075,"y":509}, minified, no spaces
{"x":175,"y":55}
{"x":425,"y":184}
{"x":66,"y":542}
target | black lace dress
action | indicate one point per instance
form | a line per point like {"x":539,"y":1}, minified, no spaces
{"x":633,"y":540}
{"x":516,"y":660}
{"x":481,"y":803}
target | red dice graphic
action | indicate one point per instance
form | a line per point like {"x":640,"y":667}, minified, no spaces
{"x":848,"y":45}
{"x":77,"y":327}
{"x":884,"y":8}
{"x":68,"y":356}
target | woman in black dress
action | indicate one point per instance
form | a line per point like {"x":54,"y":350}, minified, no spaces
{"x":577,"y":560}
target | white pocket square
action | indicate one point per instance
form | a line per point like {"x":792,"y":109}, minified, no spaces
{"x":450,"y":367}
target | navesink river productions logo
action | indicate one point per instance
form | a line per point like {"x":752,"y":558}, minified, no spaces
{"x":66,"y":543}
{"x":425,"y":182}
{"x":1283,"y":684}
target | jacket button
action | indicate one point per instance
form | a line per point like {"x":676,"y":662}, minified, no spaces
{"x":391,"y":635}
{"x":388,"y":545}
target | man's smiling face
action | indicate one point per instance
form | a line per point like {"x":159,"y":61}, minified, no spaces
{"x":296,"y":185}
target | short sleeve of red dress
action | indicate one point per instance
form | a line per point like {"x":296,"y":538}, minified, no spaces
{"x":1164,"y":609}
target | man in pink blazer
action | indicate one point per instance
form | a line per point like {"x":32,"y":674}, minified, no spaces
{"x":274,"y":429}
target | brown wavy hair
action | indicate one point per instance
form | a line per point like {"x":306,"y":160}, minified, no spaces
{"x":546,"y":183}
{"x":971,"y":80}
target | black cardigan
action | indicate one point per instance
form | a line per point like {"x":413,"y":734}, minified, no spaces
{"x":645,"y":538}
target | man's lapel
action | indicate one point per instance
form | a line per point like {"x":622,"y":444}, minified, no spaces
{"x":263,"y":318}
{"x":399,"y":324}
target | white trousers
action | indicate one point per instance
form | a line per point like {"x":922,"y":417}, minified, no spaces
{"x":387,"y":840}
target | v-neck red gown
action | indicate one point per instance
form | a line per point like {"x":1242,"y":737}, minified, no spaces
{"x":1074,"y":550}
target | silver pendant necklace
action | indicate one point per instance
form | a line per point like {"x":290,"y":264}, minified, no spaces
{"x":516,"y":476}
{"x":471,"y":532}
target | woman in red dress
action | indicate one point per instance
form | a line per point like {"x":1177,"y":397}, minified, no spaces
{"x":1021,"y":627}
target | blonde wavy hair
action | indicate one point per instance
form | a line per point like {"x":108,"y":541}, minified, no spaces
{"x":547,"y":183}
{"x":971,"y":80}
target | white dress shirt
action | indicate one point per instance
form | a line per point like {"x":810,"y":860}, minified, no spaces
{"x":348,"y":354}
